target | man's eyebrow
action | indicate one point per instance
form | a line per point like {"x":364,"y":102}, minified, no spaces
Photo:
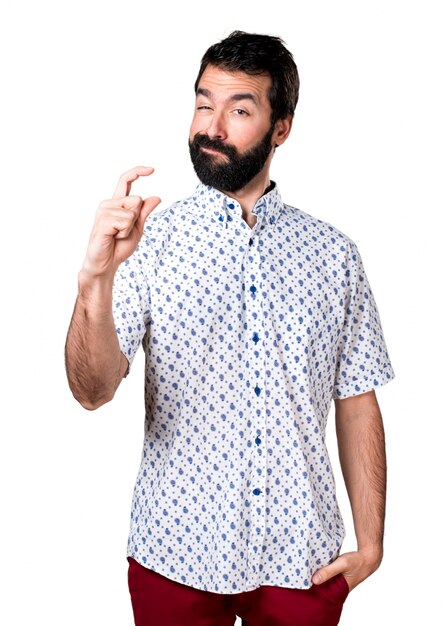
{"x":244,"y":96}
{"x":235,"y":98}
{"x":203,"y":92}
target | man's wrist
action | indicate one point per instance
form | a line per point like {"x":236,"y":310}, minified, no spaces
{"x":373,"y":553}
{"x":95,"y":290}
{"x":87,"y":280}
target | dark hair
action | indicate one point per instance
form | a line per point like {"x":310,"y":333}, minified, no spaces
{"x":258,"y":54}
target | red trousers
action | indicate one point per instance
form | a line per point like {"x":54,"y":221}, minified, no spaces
{"x":160,"y":601}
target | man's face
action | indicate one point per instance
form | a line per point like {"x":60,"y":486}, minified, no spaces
{"x":231,"y":136}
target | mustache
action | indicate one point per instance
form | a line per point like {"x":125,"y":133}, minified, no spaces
{"x":204,"y":141}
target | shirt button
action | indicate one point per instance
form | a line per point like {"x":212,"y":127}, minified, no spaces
{"x":256,"y":492}
{"x":253,"y":289}
{"x":221,"y":218}
{"x":250,"y":241}
{"x":255,"y":338}
{"x":257,"y":390}
{"x":257,"y":441}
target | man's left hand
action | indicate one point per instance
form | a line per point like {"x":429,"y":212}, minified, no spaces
{"x":354,"y":566}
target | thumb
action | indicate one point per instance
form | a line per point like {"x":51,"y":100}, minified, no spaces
{"x":325,"y":573}
{"x":149,"y":204}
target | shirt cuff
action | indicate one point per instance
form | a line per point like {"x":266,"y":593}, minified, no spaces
{"x":347,"y":389}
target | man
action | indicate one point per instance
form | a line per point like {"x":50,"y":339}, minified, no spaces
{"x":253,"y":316}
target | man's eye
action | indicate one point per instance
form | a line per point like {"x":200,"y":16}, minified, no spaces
{"x":241,"y":112}
{"x":203,"y":107}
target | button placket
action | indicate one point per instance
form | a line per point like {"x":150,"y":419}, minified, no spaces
{"x":255,"y":358}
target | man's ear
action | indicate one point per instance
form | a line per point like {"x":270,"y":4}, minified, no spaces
{"x":282,"y":130}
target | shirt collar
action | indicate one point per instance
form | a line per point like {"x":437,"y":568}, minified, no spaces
{"x":208,"y":201}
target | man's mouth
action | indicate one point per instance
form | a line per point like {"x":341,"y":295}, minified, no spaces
{"x":212,"y":151}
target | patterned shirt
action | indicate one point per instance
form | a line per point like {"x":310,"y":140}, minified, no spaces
{"x":248,"y":334}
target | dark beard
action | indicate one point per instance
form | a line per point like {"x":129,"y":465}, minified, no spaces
{"x":234,"y":173}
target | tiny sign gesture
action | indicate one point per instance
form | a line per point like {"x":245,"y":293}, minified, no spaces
{"x":118,"y":226}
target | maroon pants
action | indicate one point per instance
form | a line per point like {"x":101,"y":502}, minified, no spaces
{"x":160,"y":601}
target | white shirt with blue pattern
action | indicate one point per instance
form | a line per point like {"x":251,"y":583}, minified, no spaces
{"x":248,"y":334}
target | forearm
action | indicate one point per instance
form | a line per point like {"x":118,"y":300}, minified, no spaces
{"x":94,"y":362}
{"x":361,"y":445}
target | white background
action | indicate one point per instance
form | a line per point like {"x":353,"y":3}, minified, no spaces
{"x":92,"y":89}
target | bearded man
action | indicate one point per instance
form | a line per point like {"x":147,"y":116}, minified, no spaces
{"x":253,"y":316}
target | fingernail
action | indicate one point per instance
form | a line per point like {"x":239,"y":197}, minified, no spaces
{"x":317,"y":578}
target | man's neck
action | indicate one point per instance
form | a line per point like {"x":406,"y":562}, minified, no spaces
{"x":249,"y":195}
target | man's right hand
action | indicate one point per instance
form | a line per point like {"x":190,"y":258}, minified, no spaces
{"x":119,"y":224}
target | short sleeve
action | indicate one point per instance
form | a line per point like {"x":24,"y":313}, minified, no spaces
{"x":362,"y":361}
{"x":131,"y":302}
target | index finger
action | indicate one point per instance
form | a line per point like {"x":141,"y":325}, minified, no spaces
{"x":126,"y":180}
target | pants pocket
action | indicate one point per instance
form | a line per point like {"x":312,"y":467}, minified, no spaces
{"x":343,"y":586}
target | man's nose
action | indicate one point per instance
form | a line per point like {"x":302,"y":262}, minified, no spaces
{"x":217,"y":127}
